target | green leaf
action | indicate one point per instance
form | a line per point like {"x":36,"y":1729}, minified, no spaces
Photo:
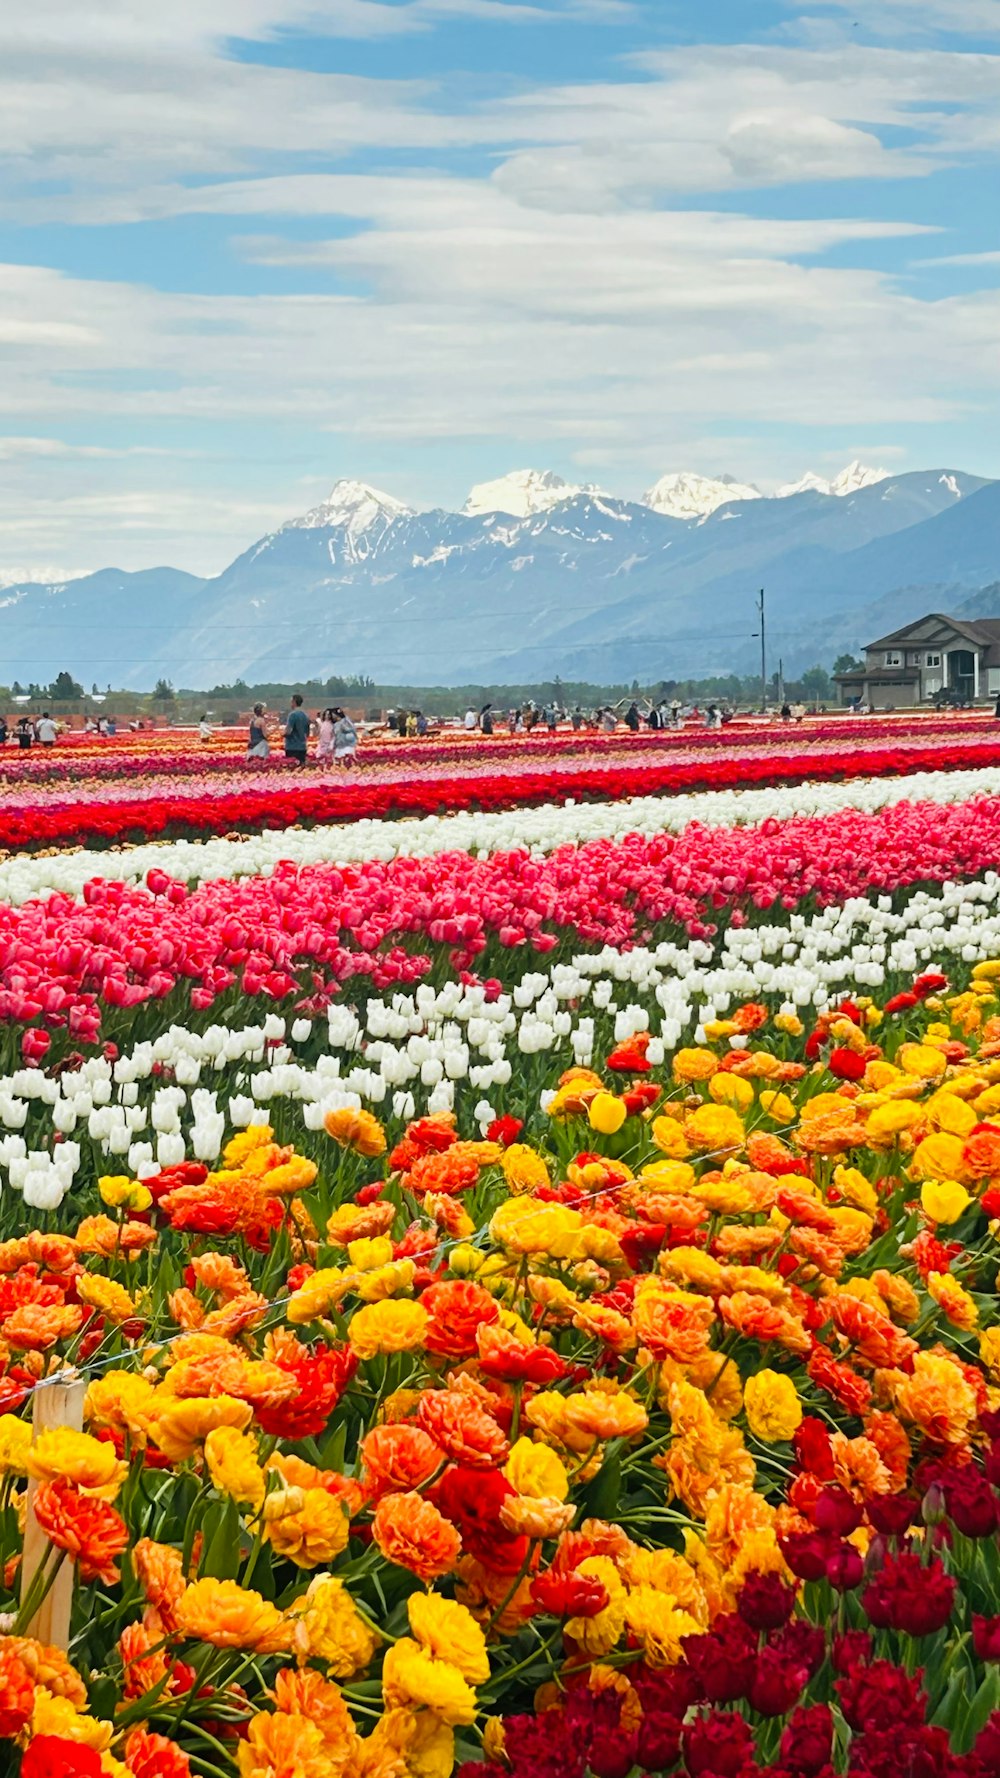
{"x":603,"y":1494}
{"x":220,"y":1555}
{"x":986,"y":1700}
{"x":104,"y":1696}
{"x":333,"y":1448}
{"x":952,"y":1706}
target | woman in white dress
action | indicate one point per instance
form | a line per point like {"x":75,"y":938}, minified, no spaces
{"x":324,"y":746}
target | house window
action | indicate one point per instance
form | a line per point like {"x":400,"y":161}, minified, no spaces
{"x":993,"y":681}
{"x":933,"y":660}
{"x":893,"y":658}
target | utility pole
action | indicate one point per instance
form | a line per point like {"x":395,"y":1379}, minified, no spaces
{"x":763,"y":653}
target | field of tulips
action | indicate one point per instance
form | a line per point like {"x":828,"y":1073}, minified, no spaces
{"x":505,"y":1292}
{"x":132,"y":789}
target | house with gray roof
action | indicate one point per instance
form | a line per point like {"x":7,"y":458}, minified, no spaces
{"x":935,"y":659}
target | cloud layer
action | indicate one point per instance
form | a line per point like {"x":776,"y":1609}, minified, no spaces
{"x":699,"y":247}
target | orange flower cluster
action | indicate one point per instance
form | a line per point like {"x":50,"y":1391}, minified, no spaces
{"x":362,"y":1407}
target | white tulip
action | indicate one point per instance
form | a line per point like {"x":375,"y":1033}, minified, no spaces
{"x":43,"y":1190}
{"x":207,"y":1139}
{"x":442,"y":1098}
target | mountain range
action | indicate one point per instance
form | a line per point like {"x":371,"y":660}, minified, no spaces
{"x":534,"y":577}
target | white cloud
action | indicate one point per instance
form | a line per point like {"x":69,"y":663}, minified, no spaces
{"x":716,"y":117}
{"x":17,"y":449}
{"x":555,"y":297}
{"x":888,"y":17}
{"x":14,"y":449}
{"x":965,"y":259}
{"x":111,"y":129}
{"x":575,"y":327}
{"x":126,"y":25}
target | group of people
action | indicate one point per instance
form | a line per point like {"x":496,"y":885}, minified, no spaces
{"x":406,"y":723}
{"x":606,"y":718}
{"x":668,"y":715}
{"x":27,"y":731}
{"x":335,"y":734}
{"x":108,"y":725}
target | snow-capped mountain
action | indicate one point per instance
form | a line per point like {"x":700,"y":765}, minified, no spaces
{"x":356,"y":506}
{"x":688,"y":496}
{"x":523,"y":492}
{"x":361,"y":509}
{"x":589,"y":587}
{"x":16,"y":574}
{"x":856,"y":475}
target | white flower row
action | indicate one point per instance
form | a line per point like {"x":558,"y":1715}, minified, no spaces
{"x":436,"y":1050}
{"x":543,"y":829}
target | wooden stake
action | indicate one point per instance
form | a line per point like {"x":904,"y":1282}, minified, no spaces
{"x":52,"y":1406}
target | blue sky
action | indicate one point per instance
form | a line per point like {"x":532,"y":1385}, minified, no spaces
{"x":250,"y":246}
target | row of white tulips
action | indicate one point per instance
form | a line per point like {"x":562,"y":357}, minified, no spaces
{"x":435,"y":1050}
{"x":544,"y":829}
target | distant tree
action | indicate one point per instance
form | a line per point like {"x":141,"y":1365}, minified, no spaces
{"x":17,"y":689}
{"x":163,"y":692}
{"x":34,"y":691}
{"x":95,"y":690}
{"x":846,"y":663}
{"x":815,"y":682}
{"x":65,"y":686}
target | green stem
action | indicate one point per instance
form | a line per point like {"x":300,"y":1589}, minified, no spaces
{"x":39,"y":1588}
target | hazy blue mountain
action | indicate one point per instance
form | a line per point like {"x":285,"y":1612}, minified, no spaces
{"x":586,"y":585}
{"x":109,"y":626}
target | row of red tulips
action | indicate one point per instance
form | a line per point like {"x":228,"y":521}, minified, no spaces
{"x":310,"y":800}
{"x":125,"y":766}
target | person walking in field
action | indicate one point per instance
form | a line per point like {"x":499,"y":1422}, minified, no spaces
{"x":296,"y":732}
{"x":345,"y":740}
